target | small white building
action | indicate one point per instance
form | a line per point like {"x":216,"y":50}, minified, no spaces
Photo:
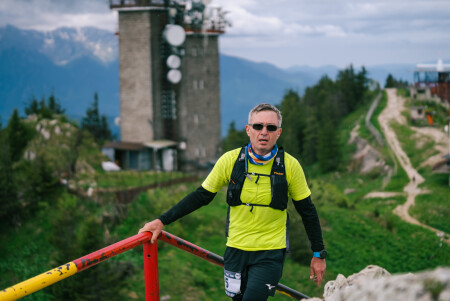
{"x":154,"y":155}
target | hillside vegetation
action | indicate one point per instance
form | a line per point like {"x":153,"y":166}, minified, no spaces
{"x":59,"y":223}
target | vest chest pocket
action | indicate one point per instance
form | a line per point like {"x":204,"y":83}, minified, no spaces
{"x":235,"y":188}
{"x":279,"y":192}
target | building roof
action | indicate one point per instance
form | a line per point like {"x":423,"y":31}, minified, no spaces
{"x":122,"y":145}
{"x":438,"y":67}
{"x":158,"y":144}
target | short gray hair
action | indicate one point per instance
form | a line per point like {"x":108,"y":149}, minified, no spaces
{"x":265,"y":107}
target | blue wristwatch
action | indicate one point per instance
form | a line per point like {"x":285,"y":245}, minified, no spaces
{"x":322,"y":254}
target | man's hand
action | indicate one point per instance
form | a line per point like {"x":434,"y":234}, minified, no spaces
{"x":317,"y":270}
{"x":155,"y":227}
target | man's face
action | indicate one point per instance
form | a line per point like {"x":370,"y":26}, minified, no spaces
{"x":263,"y":140}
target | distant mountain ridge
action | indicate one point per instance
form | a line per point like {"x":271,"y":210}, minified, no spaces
{"x":76,"y":63}
{"x":64,"y":44}
{"x":68,"y":62}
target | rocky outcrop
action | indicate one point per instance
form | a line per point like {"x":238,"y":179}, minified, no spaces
{"x":373,"y":130}
{"x":366,"y":158}
{"x":376,"y":284}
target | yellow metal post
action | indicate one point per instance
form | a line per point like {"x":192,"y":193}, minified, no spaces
{"x":38,"y":282}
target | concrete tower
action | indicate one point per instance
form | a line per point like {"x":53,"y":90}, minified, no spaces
{"x":169,"y":77}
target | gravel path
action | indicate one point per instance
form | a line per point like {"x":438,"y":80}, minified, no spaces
{"x":391,"y":113}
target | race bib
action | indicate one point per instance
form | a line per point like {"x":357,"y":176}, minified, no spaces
{"x":232,"y":283}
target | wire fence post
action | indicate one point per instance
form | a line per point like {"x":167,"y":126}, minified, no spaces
{"x":151,"y":271}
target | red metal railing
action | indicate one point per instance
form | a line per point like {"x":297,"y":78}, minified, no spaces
{"x":50,"y":277}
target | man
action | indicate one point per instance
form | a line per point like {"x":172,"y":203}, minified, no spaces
{"x":260,"y":177}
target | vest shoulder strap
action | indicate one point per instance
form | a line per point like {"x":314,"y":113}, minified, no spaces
{"x":237,"y":180}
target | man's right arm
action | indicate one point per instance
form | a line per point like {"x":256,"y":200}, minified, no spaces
{"x":216,"y":179}
{"x":193,"y":201}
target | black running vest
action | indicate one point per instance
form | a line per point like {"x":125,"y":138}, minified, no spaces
{"x":278,"y":182}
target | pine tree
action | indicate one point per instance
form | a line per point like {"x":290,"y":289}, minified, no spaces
{"x":361,"y":84}
{"x":97,"y":125}
{"x":43,"y":108}
{"x":391,"y":82}
{"x":33,"y":107}
{"x":327,"y":148}
{"x":310,"y":137}
{"x":92,"y":120}
{"x":291,"y":138}
{"x":346,"y":84}
{"x":54,"y":105}
{"x":9,"y":204}
{"x":234,"y":138}
{"x":18,"y":135}
{"x":105,"y":131}
{"x":311,"y":106}
{"x":37,"y":181}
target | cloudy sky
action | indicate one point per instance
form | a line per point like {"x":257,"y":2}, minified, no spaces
{"x":286,"y":32}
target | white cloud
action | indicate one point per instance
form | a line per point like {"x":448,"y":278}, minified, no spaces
{"x":338,"y":32}
{"x":249,"y":23}
{"x":284,"y":31}
{"x":47,"y":15}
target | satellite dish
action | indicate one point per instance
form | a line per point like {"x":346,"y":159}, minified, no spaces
{"x":174,"y":34}
{"x":174,"y":76}
{"x":173,"y":61}
{"x":117,"y":121}
{"x":172,"y":12}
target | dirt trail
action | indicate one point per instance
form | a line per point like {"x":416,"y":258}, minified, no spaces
{"x":392,"y":112}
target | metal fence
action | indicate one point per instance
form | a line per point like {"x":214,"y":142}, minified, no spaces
{"x":52,"y":276}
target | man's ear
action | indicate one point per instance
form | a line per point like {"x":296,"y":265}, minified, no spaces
{"x":279,"y":132}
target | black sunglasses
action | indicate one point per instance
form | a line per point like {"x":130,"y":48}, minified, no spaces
{"x":260,"y":126}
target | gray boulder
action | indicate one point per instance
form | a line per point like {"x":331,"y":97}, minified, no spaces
{"x":376,"y":284}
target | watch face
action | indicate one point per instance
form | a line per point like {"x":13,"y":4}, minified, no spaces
{"x":323,"y":254}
